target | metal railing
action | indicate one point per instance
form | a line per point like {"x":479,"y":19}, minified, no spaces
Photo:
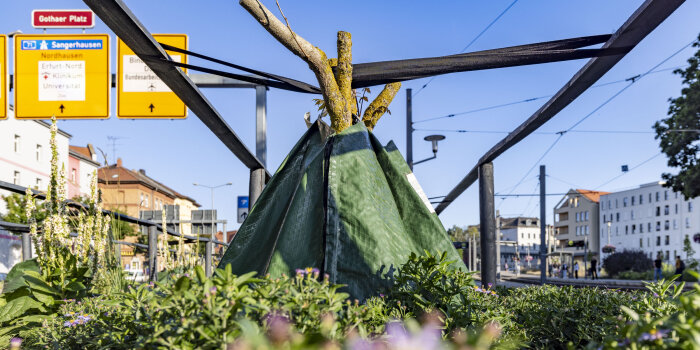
{"x":154,"y":229}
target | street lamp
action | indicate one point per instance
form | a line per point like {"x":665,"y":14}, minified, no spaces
{"x":213,"y":224}
{"x":434,"y":140}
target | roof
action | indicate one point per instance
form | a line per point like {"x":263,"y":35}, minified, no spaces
{"x":593,"y":196}
{"x":115,"y":173}
{"x":82,"y":153}
{"x":520,"y":221}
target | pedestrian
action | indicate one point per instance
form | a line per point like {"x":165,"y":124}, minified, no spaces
{"x":657,"y":267}
{"x":506,"y":266}
{"x":551,"y":268}
{"x":680,"y":266}
{"x":576,"y":270}
{"x":594,"y":268}
{"x":564,"y":270}
{"x":517,"y":267}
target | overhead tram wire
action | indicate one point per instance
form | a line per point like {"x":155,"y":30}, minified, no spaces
{"x":625,"y":173}
{"x":463,"y":131}
{"x":615,"y":95}
{"x":482,"y":109}
{"x":471,"y":42}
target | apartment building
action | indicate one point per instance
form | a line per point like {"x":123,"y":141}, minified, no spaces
{"x":25,"y":152}
{"x":650,"y":218}
{"x":576,"y":223}
{"x":82,"y":164}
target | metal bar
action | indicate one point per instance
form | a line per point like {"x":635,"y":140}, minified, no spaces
{"x":642,"y":22}
{"x":498,"y":245}
{"x":409,"y":128}
{"x":26,"y":246}
{"x":209,"y":247}
{"x":255,"y":188}
{"x":487,"y":224}
{"x":152,"y":254}
{"x":122,"y":217}
{"x":206,"y":80}
{"x":543,"y":227}
{"x":117,"y":16}
{"x":261,"y":124}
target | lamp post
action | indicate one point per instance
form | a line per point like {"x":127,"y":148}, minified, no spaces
{"x":434,"y":140}
{"x":212,"y":188}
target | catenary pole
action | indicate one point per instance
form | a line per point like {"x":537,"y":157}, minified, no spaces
{"x":409,"y":129}
{"x":543,"y":227}
{"x":487,"y":222}
{"x":261,"y":123}
{"x":152,"y":254}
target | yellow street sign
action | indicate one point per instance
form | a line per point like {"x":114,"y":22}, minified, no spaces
{"x":63,"y":75}
{"x":3,"y":77}
{"x":140,"y":93}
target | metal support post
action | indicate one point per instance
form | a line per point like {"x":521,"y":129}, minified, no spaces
{"x":543,"y":227}
{"x":257,"y":183}
{"x":498,"y":245}
{"x":209,"y":247}
{"x":487,"y":220}
{"x":152,"y":254}
{"x":409,"y":129}
{"x":26,"y":246}
{"x":261,"y":123}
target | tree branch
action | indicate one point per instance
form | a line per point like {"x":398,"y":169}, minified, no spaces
{"x":343,"y":75}
{"x":380,"y":105}
{"x":336,"y":104}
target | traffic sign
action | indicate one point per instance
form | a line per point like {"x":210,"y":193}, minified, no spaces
{"x":63,"y":75}
{"x":63,"y":19}
{"x":3,"y":77}
{"x":140,"y":93}
{"x":243,"y":205}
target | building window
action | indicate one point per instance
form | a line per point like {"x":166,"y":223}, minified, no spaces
{"x":667,"y":225}
{"x":17,"y":143}
{"x":15,"y":179}
{"x":616,"y":204}
{"x":675,"y":195}
{"x":632,"y":201}
{"x":609,"y":207}
{"x":586,"y":215}
{"x":675,"y":224}
{"x":617,"y":217}
{"x":658,"y":226}
{"x":617,"y":231}
{"x":666,"y":210}
{"x":666,"y":255}
{"x":73,"y":176}
{"x":667,"y":240}
{"x":690,"y":207}
{"x":624,"y":202}
{"x":38,"y":183}
{"x":649,"y":197}
{"x":666,"y":195}
{"x":577,"y":217}
{"x":641,"y":228}
{"x":627,"y":229}
{"x":649,"y":227}
{"x":641,"y":199}
{"x":604,"y":218}
{"x":634,"y":229}
{"x":657,"y":196}
{"x":687,"y":222}
{"x":641,"y":243}
{"x":631,"y":214}
{"x":38,"y":153}
{"x":658,"y":241}
{"x":586,"y":228}
{"x":658,"y":211}
{"x":675,"y":209}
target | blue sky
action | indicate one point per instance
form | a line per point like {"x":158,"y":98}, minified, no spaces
{"x":179,"y":153}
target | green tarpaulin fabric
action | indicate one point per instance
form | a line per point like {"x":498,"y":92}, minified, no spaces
{"x":344,"y":204}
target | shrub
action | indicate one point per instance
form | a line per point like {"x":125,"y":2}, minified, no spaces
{"x":627,"y":260}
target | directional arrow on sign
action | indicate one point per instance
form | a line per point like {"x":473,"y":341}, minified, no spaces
{"x":61,"y":107}
{"x":151,"y":107}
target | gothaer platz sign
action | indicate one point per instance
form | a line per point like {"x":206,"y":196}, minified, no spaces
{"x":63,"y":19}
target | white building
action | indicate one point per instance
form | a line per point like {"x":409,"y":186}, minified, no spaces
{"x":25,"y":153}
{"x":650,"y":218}
{"x":524,"y":233}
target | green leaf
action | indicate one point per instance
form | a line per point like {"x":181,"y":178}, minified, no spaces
{"x":182,"y":284}
{"x":75,"y":286}
{"x":17,"y":307}
{"x":46,"y":299}
{"x":39,"y":284}
{"x":15,"y":278}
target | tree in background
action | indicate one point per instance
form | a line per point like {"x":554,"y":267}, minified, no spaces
{"x":679,"y":134}
{"x":457,"y":234}
{"x":15,"y":210}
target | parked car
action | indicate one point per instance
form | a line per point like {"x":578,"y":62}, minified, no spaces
{"x":135,"y":276}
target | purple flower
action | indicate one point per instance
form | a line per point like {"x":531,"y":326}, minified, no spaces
{"x":654,"y":335}
{"x":15,"y":343}
{"x":299,"y":272}
{"x":67,"y":323}
{"x":212,"y":290}
{"x":656,"y":295}
{"x":490,"y":285}
{"x":381,"y":295}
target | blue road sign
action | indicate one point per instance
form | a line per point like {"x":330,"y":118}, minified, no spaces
{"x":243,"y":201}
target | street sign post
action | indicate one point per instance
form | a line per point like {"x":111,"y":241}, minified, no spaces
{"x":63,"y":19}
{"x":243,"y":205}
{"x":63,"y":75}
{"x":140,"y":93}
{"x":3,"y":76}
